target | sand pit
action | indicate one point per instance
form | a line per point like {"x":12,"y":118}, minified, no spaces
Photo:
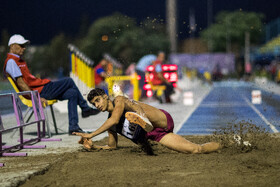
{"x":129,"y":166}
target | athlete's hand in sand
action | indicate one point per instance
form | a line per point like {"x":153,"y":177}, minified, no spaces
{"x":87,"y":143}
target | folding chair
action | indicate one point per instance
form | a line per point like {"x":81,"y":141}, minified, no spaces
{"x":28,"y":103}
{"x":159,"y":91}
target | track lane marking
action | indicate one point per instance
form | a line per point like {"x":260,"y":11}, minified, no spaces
{"x":223,"y":104}
{"x":196,"y":105}
{"x":273,"y":128}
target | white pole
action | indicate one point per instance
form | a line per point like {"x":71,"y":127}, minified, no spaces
{"x":171,"y":18}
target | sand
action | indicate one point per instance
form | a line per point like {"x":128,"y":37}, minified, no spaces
{"x":234,"y":165}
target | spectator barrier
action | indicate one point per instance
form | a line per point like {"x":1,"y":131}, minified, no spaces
{"x":39,"y":120}
{"x":81,"y":70}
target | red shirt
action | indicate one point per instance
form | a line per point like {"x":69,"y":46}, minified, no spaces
{"x":97,"y":70}
{"x":33,"y":82}
{"x":156,"y":80}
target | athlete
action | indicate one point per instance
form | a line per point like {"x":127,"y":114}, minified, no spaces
{"x":138,"y":122}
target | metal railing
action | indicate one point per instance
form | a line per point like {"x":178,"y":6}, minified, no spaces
{"x":134,"y":81}
{"x":20,"y":125}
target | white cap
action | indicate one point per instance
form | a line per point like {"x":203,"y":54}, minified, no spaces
{"x":17,"y":39}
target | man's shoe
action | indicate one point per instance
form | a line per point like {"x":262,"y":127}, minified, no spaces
{"x":78,"y":130}
{"x":139,"y":120}
{"x":89,"y":112}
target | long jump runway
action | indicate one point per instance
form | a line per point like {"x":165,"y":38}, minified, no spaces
{"x":230,"y":103}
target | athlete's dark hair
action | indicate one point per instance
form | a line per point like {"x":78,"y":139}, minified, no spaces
{"x":95,"y":92}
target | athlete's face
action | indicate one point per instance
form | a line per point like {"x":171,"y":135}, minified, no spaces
{"x":100,"y":102}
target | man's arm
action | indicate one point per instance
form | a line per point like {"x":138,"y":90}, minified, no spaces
{"x":14,"y":71}
{"x":113,"y":120}
{"x":103,"y":74}
{"x":24,"y":87}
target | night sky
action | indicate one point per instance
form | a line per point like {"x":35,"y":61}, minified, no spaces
{"x":40,"y":20}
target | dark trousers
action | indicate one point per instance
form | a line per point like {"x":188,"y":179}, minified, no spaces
{"x":141,"y":82}
{"x":168,"y":91}
{"x":66,"y":89}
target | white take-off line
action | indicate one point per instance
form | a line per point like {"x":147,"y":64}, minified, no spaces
{"x":273,"y":128}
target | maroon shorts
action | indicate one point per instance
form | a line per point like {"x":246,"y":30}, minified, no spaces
{"x":158,"y":133}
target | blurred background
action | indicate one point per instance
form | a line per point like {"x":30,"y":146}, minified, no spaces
{"x":227,"y":39}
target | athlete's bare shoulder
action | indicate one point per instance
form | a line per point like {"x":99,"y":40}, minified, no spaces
{"x":119,"y":99}
{"x":130,"y":103}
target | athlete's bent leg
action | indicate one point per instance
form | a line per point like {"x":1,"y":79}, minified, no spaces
{"x":180,"y":144}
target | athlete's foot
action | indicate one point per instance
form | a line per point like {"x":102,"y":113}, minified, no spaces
{"x":139,"y":120}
